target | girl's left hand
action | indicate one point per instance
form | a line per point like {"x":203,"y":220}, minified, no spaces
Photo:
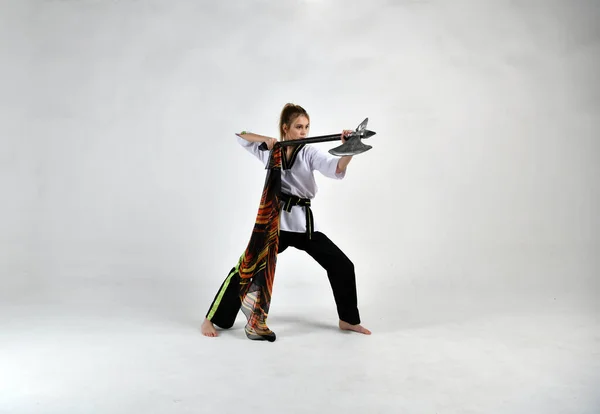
{"x":345,"y":133}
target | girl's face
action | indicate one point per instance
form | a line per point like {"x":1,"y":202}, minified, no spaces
{"x":298,"y":129}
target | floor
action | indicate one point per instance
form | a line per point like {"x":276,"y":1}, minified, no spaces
{"x":111,"y":348}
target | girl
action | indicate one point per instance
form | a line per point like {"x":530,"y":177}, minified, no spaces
{"x":296,"y":229}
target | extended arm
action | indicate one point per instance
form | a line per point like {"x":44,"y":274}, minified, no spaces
{"x":251,"y":137}
{"x":251,"y":143}
{"x":344,"y":160}
{"x":342,"y":164}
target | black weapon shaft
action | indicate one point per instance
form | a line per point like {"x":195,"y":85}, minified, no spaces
{"x":320,"y":138}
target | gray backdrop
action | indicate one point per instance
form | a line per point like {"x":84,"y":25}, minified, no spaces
{"x":119,"y":158}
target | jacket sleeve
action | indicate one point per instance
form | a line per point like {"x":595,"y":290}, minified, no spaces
{"x":325,"y":163}
{"x":252,"y":148}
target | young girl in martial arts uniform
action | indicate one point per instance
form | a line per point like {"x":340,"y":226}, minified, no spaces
{"x":297,"y":227}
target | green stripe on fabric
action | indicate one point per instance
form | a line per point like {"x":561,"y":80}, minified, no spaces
{"x":213,"y":310}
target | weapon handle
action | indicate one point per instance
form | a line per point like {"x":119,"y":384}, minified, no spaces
{"x":320,"y":138}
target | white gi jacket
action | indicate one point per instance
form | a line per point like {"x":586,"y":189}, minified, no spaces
{"x":299,"y":180}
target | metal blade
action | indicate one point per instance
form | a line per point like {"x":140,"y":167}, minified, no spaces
{"x":362,"y":126}
{"x":367,"y":133}
{"x":353,"y":146}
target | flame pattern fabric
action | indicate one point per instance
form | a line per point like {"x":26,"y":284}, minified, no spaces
{"x":249,"y":285}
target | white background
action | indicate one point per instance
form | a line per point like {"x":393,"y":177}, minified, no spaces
{"x":125,"y":196}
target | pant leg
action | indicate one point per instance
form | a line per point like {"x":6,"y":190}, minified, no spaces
{"x":285,"y":238}
{"x":227,"y":302}
{"x":340,"y":271}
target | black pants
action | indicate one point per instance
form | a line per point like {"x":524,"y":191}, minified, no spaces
{"x":340,"y":270}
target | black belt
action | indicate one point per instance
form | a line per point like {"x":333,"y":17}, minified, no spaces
{"x":289,"y":201}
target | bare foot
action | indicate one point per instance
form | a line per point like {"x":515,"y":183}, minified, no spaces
{"x":345,"y":326}
{"x":208,"y":329}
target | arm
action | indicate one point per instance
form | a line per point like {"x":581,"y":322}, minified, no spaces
{"x":329,"y":166}
{"x":345,"y":160}
{"x":251,"y":143}
{"x":324,"y":163}
{"x":342,"y":164}
{"x":251,"y":137}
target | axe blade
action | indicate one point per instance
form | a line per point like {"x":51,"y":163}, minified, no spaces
{"x":353,"y":146}
{"x":362,"y":126}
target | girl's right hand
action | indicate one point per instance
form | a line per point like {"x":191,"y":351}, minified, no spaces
{"x":270,"y":142}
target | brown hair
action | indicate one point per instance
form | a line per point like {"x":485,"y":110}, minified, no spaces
{"x":288,"y":114}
